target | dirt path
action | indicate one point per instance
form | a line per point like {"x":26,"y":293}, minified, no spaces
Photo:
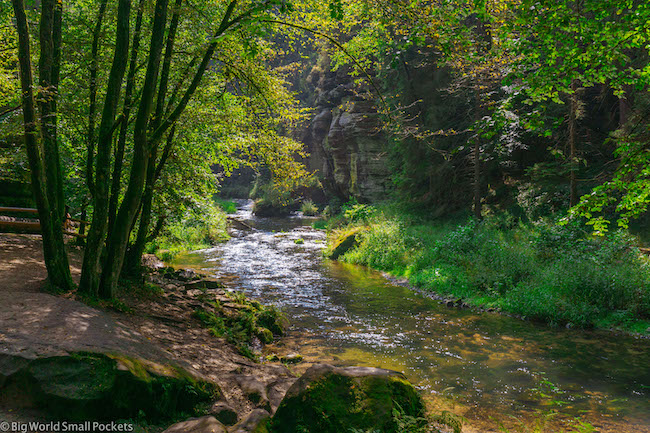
{"x":162,"y":320}
{"x":21,"y":263}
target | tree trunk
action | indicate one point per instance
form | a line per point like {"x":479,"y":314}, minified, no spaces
{"x":135,"y":253}
{"x":92,"y":103}
{"x":47,"y":95}
{"x":153,"y":173}
{"x":124,"y":127}
{"x":56,"y":258}
{"x":477,"y":160}
{"x":120,"y":234}
{"x":96,"y":235}
{"x":477,"y":179}
{"x":573,"y":109}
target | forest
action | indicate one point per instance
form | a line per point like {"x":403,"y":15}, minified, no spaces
{"x":343,"y":216}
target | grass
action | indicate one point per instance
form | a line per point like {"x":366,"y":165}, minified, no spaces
{"x":193,"y":232}
{"x":558,"y":274}
{"x":308,"y":208}
{"x":227,"y":206}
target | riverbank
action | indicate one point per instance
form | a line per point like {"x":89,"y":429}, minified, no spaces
{"x":167,"y":350}
{"x":547,"y":272}
{"x":158,"y":317}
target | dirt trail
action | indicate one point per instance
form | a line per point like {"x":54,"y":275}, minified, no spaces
{"x":21,"y":263}
{"x":41,"y":323}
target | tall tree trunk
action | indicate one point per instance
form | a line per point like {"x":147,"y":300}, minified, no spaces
{"x":476,"y":157}
{"x":96,"y":235}
{"x":48,"y":77}
{"x":477,"y":179}
{"x":124,"y":127}
{"x":133,"y":194}
{"x":92,"y":99}
{"x":135,"y":253}
{"x":153,"y":173}
{"x":573,"y":110}
{"x":56,"y":259}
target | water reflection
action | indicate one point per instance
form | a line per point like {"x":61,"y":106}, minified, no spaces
{"x":352,"y":315}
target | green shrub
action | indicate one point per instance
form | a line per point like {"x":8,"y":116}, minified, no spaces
{"x":227,"y":206}
{"x":199,"y":229}
{"x":359,"y":212}
{"x":308,"y":208}
{"x":385,"y":246}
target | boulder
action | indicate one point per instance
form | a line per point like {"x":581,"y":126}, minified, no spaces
{"x":222,"y":411}
{"x":344,"y":242}
{"x":78,"y":363}
{"x":205,"y":283}
{"x":255,"y":422}
{"x":88,"y":385}
{"x":254,"y":390}
{"x":265,"y":208}
{"x":205,"y":424}
{"x":328,"y":399}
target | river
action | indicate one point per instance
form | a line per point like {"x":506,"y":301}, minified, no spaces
{"x":486,"y":367}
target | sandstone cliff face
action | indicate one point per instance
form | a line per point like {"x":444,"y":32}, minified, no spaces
{"x":343,"y":138}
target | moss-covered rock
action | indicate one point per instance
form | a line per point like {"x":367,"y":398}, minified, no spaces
{"x":264,"y":207}
{"x":343,"y":242}
{"x":86,"y":385}
{"x":328,"y":399}
{"x":255,"y":422}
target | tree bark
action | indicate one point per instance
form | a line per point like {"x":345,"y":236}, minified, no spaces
{"x":135,"y":253}
{"x":153,"y":173}
{"x":133,"y":194}
{"x":96,"y":235}
{"x":124,"y":127}
{"x":477,"y":179}
{"x":92,"y":104}
{"x":47,"y":95}
{"x":573,"y":109}
{"x":56,"y":259}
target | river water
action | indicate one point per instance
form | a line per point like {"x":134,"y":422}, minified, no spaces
{"x":487,"y":367}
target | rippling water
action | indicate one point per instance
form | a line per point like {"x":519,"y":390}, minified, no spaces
{"x":481,"y":365}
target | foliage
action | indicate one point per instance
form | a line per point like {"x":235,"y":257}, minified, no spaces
{"x":227,"y":206}
{"x":554,"y":273}
{"x":355,"y":212}
{"x":308,"y":208}
{"x":252,"y":320}
{"x":199,"y":227}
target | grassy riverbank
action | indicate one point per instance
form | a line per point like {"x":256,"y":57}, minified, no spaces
{"x":197,"y":229}
{"x":559,"y":274}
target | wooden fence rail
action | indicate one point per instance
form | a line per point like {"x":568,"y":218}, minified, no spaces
{"x":30,"y":223}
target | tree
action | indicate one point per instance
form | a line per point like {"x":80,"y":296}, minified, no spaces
{"x":159,"y":98}
{"x":565,"y":46}
{"x":40,"y":134}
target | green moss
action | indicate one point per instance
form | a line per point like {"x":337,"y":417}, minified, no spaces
{"x":338,"y":403}
{"x":342,"y":241}
{"x":251,"y":319}
{"x":87,"y":385}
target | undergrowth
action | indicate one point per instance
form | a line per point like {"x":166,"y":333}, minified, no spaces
{"x":239,"y":326}
{"x":196,"y":230}
{"x":559,"y":274}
